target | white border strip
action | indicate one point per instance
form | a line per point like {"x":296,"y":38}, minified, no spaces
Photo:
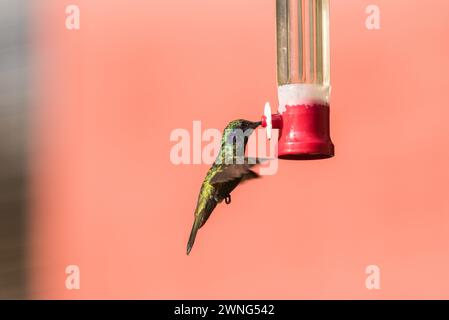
{"x":297,"y":94}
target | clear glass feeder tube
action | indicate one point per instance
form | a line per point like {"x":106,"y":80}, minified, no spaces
{"x":303,"y":51}
{"x":303,"y":75}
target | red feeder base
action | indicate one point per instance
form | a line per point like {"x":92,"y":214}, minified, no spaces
{"x":304,"y":132}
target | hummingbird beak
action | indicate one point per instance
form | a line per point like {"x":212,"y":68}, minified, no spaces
{"x":254,"y":125}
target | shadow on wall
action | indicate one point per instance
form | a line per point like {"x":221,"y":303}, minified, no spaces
{"x":13,"y":111}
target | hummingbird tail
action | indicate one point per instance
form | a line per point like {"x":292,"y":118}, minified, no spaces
{"x":195,"y":228}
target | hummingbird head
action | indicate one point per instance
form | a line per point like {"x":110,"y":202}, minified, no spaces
{"x":235,"y":137}
{"x":237,"y":127}
{"x":243,"y":125}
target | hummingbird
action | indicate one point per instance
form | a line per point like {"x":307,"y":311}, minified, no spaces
{"x":229,"y":170}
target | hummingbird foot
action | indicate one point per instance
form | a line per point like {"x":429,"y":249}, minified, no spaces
{"x":228,"y":199}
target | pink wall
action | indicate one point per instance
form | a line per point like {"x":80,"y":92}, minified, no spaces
{"x":107,"y":198}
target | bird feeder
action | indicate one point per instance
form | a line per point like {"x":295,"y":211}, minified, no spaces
{"x":303,"y":76}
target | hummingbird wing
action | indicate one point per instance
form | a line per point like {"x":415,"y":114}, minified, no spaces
{"x":241,"y":172}
{"x":233,"y":172}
